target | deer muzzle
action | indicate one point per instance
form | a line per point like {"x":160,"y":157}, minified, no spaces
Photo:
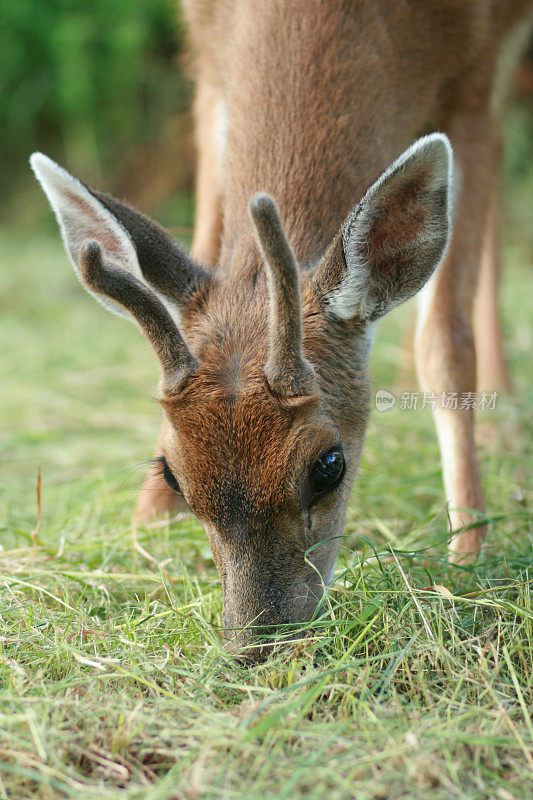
{"x":265,"y":608}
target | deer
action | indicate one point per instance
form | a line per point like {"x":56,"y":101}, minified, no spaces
{"x":339,"y":144}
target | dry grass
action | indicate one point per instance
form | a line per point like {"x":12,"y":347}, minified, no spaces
{"x":113,"y":683}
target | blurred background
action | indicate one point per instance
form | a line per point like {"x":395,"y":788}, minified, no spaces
{"x":102,"y":88}
{"x":99,"y":87}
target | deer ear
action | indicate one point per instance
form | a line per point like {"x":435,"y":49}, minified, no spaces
{"x":394,"y":238}
{"x":125,"y":237}
{"x":81,"y":216}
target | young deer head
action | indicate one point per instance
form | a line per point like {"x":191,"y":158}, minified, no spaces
{"x":265,"y":385}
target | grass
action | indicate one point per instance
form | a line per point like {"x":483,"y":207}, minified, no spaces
{"x":113,"y":682}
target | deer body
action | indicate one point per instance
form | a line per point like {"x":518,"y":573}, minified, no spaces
{"x":264,"y":349}
{"x":309,"y":102}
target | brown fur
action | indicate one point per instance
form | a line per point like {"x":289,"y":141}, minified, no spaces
{"x":315,"y":124}
{"x":241,"y":456}
{"x":321,"y":97}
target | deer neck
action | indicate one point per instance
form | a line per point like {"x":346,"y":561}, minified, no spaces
{"x":289,"y":129}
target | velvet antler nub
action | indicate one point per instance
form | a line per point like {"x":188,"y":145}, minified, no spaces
{"x":287,"y":371}
{"x":147,"y":310}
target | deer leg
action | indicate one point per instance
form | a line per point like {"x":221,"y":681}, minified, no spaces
{"x":156,"y":498}
{"x":491,"y":365}
{"x":446,"y":364}
{"x":210,"y":126}
{"x":444,"y":349}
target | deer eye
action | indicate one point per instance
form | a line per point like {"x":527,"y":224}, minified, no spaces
{"x":328,"y":471}
{"x":169,"y":478}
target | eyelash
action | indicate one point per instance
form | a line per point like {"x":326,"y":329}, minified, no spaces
{"x":165,"y":471}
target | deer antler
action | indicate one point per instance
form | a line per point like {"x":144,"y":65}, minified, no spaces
{"x":287,"y":371}
{"x":150,"y":314}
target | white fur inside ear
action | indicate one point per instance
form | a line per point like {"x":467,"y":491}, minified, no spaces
{"x":352,"y":295}
{"x":349,"y":298}
{"x":81,"y":216}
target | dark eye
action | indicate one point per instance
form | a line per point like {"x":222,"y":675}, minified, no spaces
{"x":170,"y":480}
{"x":327,"y":471}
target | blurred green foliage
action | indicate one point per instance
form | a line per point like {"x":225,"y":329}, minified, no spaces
{"x":98,"y":86}
{"x":85,"y":81}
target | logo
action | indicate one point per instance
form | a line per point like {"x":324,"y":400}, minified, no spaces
{"x":384,"y":400}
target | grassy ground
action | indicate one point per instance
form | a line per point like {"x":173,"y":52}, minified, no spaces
{"x":113,"y":683}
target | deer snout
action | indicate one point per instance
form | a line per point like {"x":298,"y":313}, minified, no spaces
{"x":260,"y":615}
{"x":255,"y":643}
{"x":271,"y":585}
